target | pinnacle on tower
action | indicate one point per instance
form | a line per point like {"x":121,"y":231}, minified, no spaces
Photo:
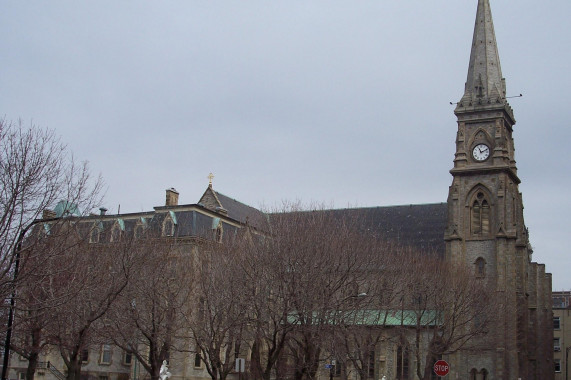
{"x":485,"y":83}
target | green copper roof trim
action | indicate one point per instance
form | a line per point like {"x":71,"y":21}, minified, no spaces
{"x":66,"y":208}
{"x":426,"y":318}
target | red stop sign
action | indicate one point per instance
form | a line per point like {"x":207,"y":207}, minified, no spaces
{"x":441,"y":368}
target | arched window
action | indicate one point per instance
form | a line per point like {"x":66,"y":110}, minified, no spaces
{"x":94,"y":236}
{"x":480,"y":215}
{"x":168,"y":227}
{"x":478,"y":375}
{"x":139,"y":230}
{"x":402,"y":363}
{"x":115,"y":234}
{"x":480,"y":267}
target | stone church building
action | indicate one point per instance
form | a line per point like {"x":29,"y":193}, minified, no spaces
{"x":481,"y":224}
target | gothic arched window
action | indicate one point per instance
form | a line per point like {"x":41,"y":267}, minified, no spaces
{"x":480,"y":215}
{"x":402,"y":363}
{"x":115,"y":234}
{"x":168,"y":227}
{"x":94,"y":236}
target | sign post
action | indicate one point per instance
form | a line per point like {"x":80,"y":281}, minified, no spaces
{"x":441,"y":368}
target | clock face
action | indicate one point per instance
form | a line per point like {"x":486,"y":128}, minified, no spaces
{"x":481,"y":152}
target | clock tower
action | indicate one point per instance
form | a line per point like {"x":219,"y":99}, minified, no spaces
{"x":486,"y":229}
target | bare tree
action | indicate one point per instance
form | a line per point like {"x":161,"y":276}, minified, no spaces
{"x":36,"y":171}
{"x":447,"y":307}
{"x":367,"y":319}
{"x":148,"y":318}
{"x":324,"y":261}
{"x":93,"y":277}
{"x":36,"y":307}
{"x":218,"y":322}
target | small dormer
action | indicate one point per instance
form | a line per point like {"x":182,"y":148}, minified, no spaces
{"x":169,"y":224}
{"x":118,"y":230}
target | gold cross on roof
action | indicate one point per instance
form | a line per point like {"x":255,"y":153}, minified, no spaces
{"x":210,"y":178}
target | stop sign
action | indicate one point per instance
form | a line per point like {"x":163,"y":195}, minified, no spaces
{"x":441,"y":368}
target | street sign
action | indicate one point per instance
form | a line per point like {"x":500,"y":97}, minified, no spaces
{"x":328,"y":366}
{"x":441,"y":368}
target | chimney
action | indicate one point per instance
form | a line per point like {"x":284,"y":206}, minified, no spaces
{"x":48,"y":214}
{"x":172,"y":197}
{"x":102,"y":210}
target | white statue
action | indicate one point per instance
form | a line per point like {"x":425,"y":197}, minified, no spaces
{"x":164,"y":373}
{"x":384,"y":377}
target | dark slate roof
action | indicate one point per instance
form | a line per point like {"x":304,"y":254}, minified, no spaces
{"x":243,"y":213}
{"x":418,"y":226}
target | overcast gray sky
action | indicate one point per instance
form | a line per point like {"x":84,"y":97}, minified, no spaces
{"x":341,"y":102}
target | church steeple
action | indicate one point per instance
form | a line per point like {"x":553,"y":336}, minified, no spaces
{"x":484,"y":84}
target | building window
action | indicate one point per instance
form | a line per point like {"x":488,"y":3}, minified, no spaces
{"x":84,"y":355}
{"x":337,"y":366}
{"x":478,"y":375}
{"x":402,"y":363}
{"x":115,"y":234}
{"x":168,"y":227}
{"x":21,"y":375}
{"x":197,"y":360}
{"x":556,"y":323}
{"x":371,"y":364}
{"x":557,"y":365}
{"x":103,"y":377}
{"x":139,"y":229}
{"x":484,"y":374}
{"x":105,"y":354}
{"x":94,"y":236}
{"x":480,"y":215}
{"x":480,"y":267}
{"x":556,"y":344}
{"x":127,"y":358}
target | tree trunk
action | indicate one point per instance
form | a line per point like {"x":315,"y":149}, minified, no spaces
{"x":32,"y":365}
{"x":74,"y":368}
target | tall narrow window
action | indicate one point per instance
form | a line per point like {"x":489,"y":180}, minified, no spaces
{"x":105,"y":354}
{"x":94,"y":237}
{"x":197,"y":360}
{"x":371,"y":364}
{"x":480,"y":267}
{"x":168,"y":228}
{"x":402,"y":363}
{"x":115,"y":234}
{"x":127,"y":358}
{"x":139,"y":229}
{"x":484,"y":374}
{"x":480,"y":218}
{"x":84,"y":355}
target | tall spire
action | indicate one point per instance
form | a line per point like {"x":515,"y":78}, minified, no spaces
{"x":485,"y":82}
